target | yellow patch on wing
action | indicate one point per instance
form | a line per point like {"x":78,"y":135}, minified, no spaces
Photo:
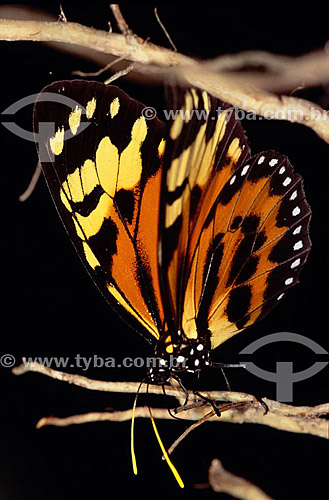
{"x":90,"y":108}
{"x":161,"y":148}
{"x":114,"y":107}
{"x":73,"y":182}
{"x":188,"y":107}
{"x":75,"y":119}
{"x":88,"y":176}
{"x":57,"y":142}
{"x":195,"y":97}
{"x":117,"y":295}
{"x":234,"y":150}
{"x":90,"y":256}
{"x":206,"y":100}
{"x":107,"y":165}
{"x":131,"y":158}
{"x":173,"y":211}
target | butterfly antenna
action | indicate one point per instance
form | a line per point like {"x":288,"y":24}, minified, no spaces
{"x":164,"y":452}
{"x":132,"y":430}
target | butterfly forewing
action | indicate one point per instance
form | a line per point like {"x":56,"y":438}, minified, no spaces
{"x":105,"y":180}
{"x":206,"y":144}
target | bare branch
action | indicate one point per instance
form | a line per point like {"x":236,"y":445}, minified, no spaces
{"x":279,"y":73}
{"x":303,"y":420}
{"x":237,"y":89}
{"x":223,"y":481}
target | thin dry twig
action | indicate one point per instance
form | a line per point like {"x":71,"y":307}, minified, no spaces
{"x":121,"y":22}
{"x":202,"y":420}
{"x":120,"y":73}
{"x":164,"y":29}
{"x":33,"y":182}
{"x":303,"y":420}
{"x":239,"y":89}
{"x":223,"y":481}
{"x":100,"y":71}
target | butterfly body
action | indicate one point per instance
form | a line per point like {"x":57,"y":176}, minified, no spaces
{"x":187,"y":355}
{"x":189,"y":237}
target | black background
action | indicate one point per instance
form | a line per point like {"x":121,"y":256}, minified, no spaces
{"x":50,"y":307}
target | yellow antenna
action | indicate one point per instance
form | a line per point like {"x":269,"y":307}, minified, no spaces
{"x":165,"y":454}
{"x":132,"y":431}
{"x":164,"y":451}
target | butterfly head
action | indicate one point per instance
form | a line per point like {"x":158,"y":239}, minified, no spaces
{"x":188,"y":355}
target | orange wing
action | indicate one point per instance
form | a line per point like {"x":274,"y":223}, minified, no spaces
{"x":251,"y":249}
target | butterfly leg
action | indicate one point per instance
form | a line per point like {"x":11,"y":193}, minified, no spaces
{"x":210,"y":401}
{"x":221,"y":366}
{"x":237,"y":365}
{"x":180,"y":383}
{"x":264,"y":405}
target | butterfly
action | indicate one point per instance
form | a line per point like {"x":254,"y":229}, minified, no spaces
{"x":189,"y":237}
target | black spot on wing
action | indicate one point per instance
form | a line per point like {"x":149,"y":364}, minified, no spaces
{"x":236,"y":223}
{"x":125,"y":201}
{"x":104,"y":252}
{"x":172,"y":196}
{"x":250,"y":223}
{"x":240,"y":257}
{"x":248,"y":270}
{"x":89,"y":202}
{"x":238,"y":303}
{"x":151,"y":160}
{"x":194,"y":200}
{"x":233,"y":186}
{"x":210,"y":281}
{"x":260,"y":240}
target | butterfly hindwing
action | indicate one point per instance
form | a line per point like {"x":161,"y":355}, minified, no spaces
{"x":251,"y":248}
{"x":105,"y":180}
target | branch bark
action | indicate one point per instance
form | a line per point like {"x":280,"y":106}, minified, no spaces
{"x":247,"y":91}
{"x":303,"y":420}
